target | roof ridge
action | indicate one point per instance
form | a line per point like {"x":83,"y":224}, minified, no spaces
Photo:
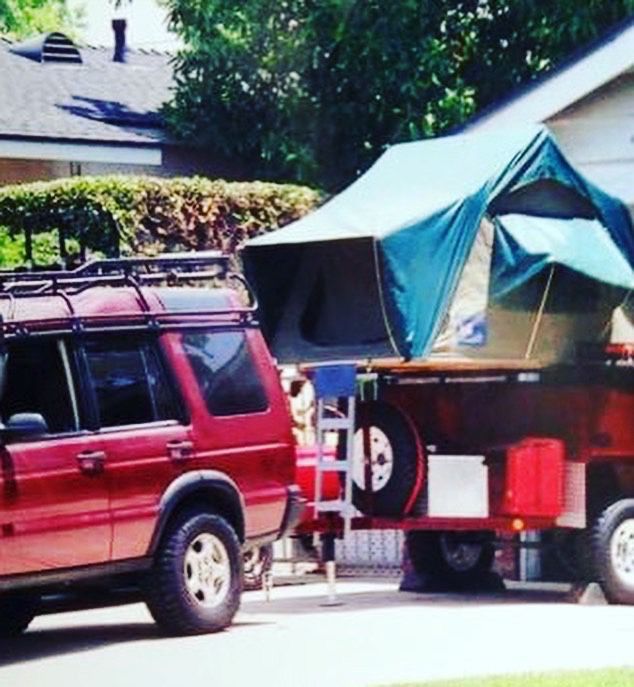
{"x":130,"y":49}
{"x":84,"y":45}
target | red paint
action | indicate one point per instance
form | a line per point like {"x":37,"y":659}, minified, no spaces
{"x":255,"y":450}
{"x":526,"y":431}
{"x":138,"y":471}
{"x":54,"y":515}
{"x":331,"y":481}
{"x":59,"y":516}
{"x":534,"y":478}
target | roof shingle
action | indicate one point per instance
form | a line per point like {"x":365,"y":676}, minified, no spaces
{"x":98,"y":101}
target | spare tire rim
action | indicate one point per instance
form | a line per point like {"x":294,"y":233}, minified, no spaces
{"x":622,"y":552}
{"x":460,"y":556}
{"x":381,"y":459}
{"x":207,"y":570}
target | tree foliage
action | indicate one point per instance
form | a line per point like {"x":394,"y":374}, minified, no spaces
{"x":313,"y":90}
{"x":23,"y":18}
{"x":143,"y":214}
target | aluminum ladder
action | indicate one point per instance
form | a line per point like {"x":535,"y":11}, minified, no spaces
{"x":335,"y":393}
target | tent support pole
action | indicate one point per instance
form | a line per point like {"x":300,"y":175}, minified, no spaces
{"x":379,"y":284}
{"x":540,"y":313}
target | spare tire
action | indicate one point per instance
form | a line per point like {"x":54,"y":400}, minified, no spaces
{"x":396,"y":459}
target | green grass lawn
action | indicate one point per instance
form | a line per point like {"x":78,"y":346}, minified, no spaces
{"x":618,"y":677}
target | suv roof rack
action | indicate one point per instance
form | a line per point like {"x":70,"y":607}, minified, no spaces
{"x":135,"y":272}
{"x":169,"y":268}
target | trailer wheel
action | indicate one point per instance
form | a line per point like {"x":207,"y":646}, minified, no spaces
{"x":612,"y":551}
{"x":453,"y":558}
{"x":396,"y":458}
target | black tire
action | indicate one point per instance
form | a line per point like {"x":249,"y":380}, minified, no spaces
{"x":257,"y":562}
{"x":16,"y":612}
{"x":397,"y":460}
{"x":183,"y":602}
{"x":611,"y":554}
{"x":456,"y":559}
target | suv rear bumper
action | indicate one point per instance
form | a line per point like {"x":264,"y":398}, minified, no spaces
{"x":295,"y":504}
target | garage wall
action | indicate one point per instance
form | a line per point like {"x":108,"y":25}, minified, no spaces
{"x":177,"y":161}
{"x":22,"y":171}
{"x":597,"y":135}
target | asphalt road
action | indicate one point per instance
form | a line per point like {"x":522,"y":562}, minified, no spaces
{"x":376,"y":636}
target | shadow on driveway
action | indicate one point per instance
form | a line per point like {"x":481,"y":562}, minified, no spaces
{"x":49,"y":641}
{"x":370,"y":600}
{"x":42,"y":643}
{"x":37,"y":644}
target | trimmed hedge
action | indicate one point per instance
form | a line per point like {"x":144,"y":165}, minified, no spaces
{"x":150,"y":215}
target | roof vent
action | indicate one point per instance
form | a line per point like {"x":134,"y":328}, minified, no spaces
{"x":50,"y":47}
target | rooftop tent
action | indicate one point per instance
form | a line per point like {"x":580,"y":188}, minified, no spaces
{"x":374,"y":271}
{"x":526,"y":244}
{"x":540,"y":286}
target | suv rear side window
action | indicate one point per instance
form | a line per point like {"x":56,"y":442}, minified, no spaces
{"x":128,"y":382}
{"x":226,"y":374}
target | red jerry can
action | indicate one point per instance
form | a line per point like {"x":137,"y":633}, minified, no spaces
{"x":534,"y":484}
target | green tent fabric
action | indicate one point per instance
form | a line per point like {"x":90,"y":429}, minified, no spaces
{"x":525,"y":245}
{"x":413,"y":217}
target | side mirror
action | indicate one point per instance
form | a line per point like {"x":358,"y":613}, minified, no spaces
{"x":22,"y":425}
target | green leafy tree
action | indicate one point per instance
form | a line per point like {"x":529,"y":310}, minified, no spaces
{"x":22,"y":18}
{"x":313,"y":90}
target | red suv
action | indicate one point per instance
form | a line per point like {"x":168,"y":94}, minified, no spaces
{"x":145,"y":442}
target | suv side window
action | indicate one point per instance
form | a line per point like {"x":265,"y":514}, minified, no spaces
{"x":128,"y":382}
{"x":226,"y":373}
{"x":36,"y":379}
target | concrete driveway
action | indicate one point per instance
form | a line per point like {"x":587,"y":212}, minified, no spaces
{"x":376,"y":636}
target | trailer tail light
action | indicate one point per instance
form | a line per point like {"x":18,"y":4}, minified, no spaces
{"x":620,"y":354}
{"x":620,"y":350}
{"x":534,"y":484}
{"x":517,"y":524}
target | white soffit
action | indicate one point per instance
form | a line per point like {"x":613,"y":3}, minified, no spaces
{"x":566,"y":85}
{"x":80,"y":152}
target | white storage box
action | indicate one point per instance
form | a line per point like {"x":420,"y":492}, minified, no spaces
{"x":458,"y":486}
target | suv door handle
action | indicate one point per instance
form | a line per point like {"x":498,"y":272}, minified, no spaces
{"x":91,"y":462}
{"x":179,"y":450}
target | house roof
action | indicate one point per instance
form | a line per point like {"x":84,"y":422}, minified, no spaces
{"x":96,"y":102}
{"x":585,"y":72}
